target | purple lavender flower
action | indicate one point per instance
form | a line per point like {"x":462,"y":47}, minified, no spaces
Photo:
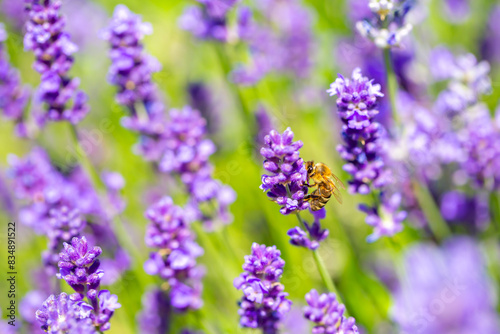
{"x":131,"y":72}
{"x":385,"y":219}
{"x":445,"y":290}
{"x":53,"y":49}
{"x":285,"y":184}
{"x":283,"y":44}
{"x":79,"y":265}
{"x":201,"y":99}
{"x":328,"y":315}
{"x":458,"y":208}
{"x":356,"y":102}
{"x":315,"y":234}
{"x":186,"y":152}
{"x":65,"y":314}
{"x":490,"y":48}
{"x":175,"y":257}
{"x":154,"y":317}
{"x":208,"y":21}
{"x":363,"y":151}
{"x":28,"y":307}
{"x":264,"y":303}
{"x":13,"y":95}
{"x":387,"y":26}
{"x":456,"y":11}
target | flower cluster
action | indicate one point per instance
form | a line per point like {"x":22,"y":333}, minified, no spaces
{"x":59,"y":205}
{"x":131,"y":72}
{"x":264,"y":302}
{"x":387,"y":26}
{"x":356,"y":102}
{"x":328,"y":315}
{"x":176,"y":251}
{"x":282,"y":44}
{"x":315,"y":234}
{"x":79,"y":267}
{"x":363,"y":150}
{"x":186,"y":152}
{"x":53,"y":49}
{"x":286,"y":183}
{"x":208,"y":21}
{"x":13,"y":95}
{"x":457,"y":273}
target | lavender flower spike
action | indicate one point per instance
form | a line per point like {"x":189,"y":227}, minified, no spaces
{"x":13,"y":96}
{"x":315,"y":234}
{"x":53,"y":49}
{"x":264,"y":303}
{"x":285,"y":184}
{"x":328,"y":315}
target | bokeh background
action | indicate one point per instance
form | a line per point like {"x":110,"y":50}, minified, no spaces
{"x":362,"y":271}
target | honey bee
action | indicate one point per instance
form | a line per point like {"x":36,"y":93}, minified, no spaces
{"x":326,"y":182}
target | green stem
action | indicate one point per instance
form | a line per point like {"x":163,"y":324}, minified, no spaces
{"x":495,"y":210}
{"x":323,"y":272}
{"x":84,"y":159}
{"x":226,"y":68}
{"x":431,"y":211}
{"x":392,"y":84}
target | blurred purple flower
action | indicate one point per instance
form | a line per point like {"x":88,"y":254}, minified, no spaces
{"x":53,"y":49}
{"x":264,"y":125}
{"x":13,"y":95}
{"x":154,"y":317}
{"x":446,"y":291}
{"x":209,"y":20}
{"x":457,"y":207}
{"x":385,"y":219}
{"x":186,"y":152}
{"x":456,"y":11}
{"x":315,"y":234}
{"x":264,"y":303}
{"x":490,"y":48}
{"x":201,"y":99}
{"x":328,"y":315}
{"x":285,"y":184}
{"x":131,"y":72}
{"x":175,"y":257}
{"x":283,"y":44}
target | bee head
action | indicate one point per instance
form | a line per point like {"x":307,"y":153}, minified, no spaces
{"x":310,"y":167}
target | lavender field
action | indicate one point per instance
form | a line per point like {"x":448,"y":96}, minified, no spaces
{"x":239,"y":166}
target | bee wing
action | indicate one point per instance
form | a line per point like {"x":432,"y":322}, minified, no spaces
{"x":337,"y":194}
{"x":337,"y":182}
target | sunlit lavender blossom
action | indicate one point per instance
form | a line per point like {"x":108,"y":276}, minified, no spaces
{"x":357,"y":100}
{"x":283,"y":44}
{"x":131,"y":72}
{"x":79,"y":267}
{"x":446,"y":290}
{"x":264,"y":302}
{"x":65,"y":314}
{"x":363,"y":150}
{"x":174,"y":259}
{"x":13,"y":95}
{"x":328,"y":315}
{"x":208,"y":20}
{"x":53,"y":49}
{"x":387,"y":26}
{"x":286,"y":183}
{"x":315,"y":233}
